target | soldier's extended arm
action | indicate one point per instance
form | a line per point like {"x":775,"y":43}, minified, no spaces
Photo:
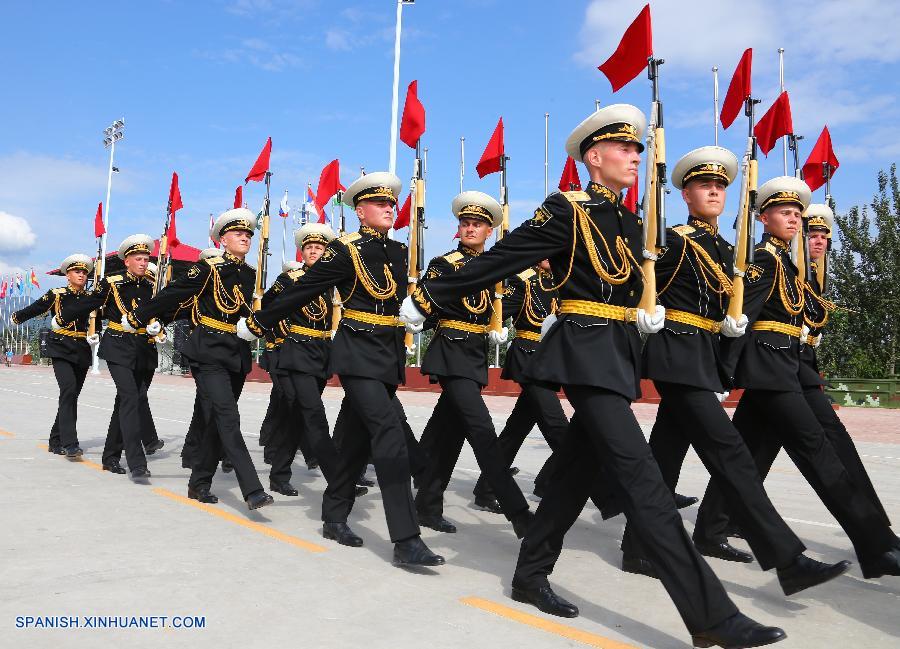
{"x":39,"y":307}
{"x":80,"y":308}
{"x":176,"y":292}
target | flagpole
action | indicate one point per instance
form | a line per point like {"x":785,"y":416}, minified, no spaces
{"x":392,"y":167}
{"x":211,"y":223}
{"x":462,"y":162}
{"x":596,"y":104}
{"x":784,"y":142}
{"x":546,"y":153}
{"x":114,"y":132}
{"x":283,"y":227}
{"x":715,"y":72}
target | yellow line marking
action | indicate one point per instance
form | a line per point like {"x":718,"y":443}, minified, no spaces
{"x":243,"y":522}
{"x":6,"y":433}
{"x":556,"y":628}
{"x":87,"y":463}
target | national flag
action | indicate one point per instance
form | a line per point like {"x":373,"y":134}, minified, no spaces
{"x":492,"y":157}
{"x":738,"y":90}
{"x":774,"y":124}
{"x":329,"y":185}
{"x":413,"y":123}
{"x":238,"y":196}
{"x":631,"y":56}
{"x":3,"y":288}
{"x":261,"y":166}
{"x":631,"y":196}
{"x":20,"y":285}
{"x":284,"y":210}
{"x":310,"y":197}
{"x":569,"y":181}
{"x":175,"y":204}
{"x":822,"y":152}
{"x":34,"y":279}
{"x":99,"y":227}
{"x":402,"y":219}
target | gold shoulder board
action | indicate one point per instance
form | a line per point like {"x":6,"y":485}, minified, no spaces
{"x":112,"y":279}
{"x":577,"y":196}
{"x":298,"y":272}
{"x":771,"y":249}
{"x":525,"y":275}
{"x":58,"y":291}
{"x":683,"y":230}
{"x":454,"y":256}
{"x":215,"y":261}
{"x":350,"y":237}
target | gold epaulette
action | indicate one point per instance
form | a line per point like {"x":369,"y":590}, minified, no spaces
{"x":527,"y":274}
{"x":215,"y":261}
{"x":577,"y":195}
{"x":112,"y":279}
{"x":771,"y":249}
{"x":683,"y":230}
{"x":454,"y":256}
{"x":350,"y":237}
{"x":58,"y":291}
{"x":297,"y":272}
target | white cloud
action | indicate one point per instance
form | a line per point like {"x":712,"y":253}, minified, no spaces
{"x":338,"y":40}
{"x":10,"y":269}
{"x":255,"y":52}
{"x":15,"y":233}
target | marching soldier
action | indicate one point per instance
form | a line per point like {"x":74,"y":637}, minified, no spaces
{"x":457,"y":358}
{"x":767,"y":367}
{"x":683,"y":362}
{"x":302,"y":368}
{"x":219,"y":291}
{"x":530,"y":304}
{"x":369,"y":271}
{"x":593,"y":351}
{"x":70,"y":349}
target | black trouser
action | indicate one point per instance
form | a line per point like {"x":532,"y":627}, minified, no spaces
{"x":536,"y":405}
{"x":70,"y":379}
{"x":131,"y":392}
{"x":464,"y":416}
{"x":693,"y":416}
{"x":276,"y":397}
{"x":605,"y":433}
{"x":761,"y":414}
{"x":199,"y":422}
{"x":306,"y":420}
{"x":222,"y":389}
{"x":372,"y":403}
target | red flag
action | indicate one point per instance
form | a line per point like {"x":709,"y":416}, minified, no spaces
{"x":821,"y":153}
{"x":329,"y":185}
{"x":99,"y":227}
{"x":774,"y":124}
{"x":413,"y":123}
{"x":298,"y":256}
{"x":738,"y":89}
{"x":493,"y":153}
{"x":569,"y":181}
{"x":261,"y":166}
{"x":631,"y":56}
{"x":175,"y":204}
{"x":238,"y":196}
{"x":402,"y":219}
{"x":3,"y":290}
{"x":631,"y":196}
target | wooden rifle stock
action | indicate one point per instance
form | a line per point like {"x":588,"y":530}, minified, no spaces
{"x":263,"y":256}
{"x":744,"y":239}
{"x":416,"y":245}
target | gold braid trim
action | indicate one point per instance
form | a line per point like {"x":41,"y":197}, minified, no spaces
{"x":368,"y":282}
{"x":827,"y":307}
{"x":317,"y":310}
{"x":226,"y":302}
{"x":708,"y":265}
{"x":793,"y":308}
{"x":531,"y":315}
{"x":483,"y":303}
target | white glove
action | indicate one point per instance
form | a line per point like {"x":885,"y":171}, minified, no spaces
{"x":94,"y":340}
{"x":817,"y":341}
{"x":54,"y":324}
{"x":411,"y":349}
{"x":499,"y":337}
{"x":154,"y":328}
{"x":127,"y":325}
{"x":409,"y":312}
{"x":731,"y":328}
{"x":651,"y":323}
{"x":243,"y":332}
{"x":160,"y":339}
{"x":548,"y":322}
{"x":804,"y":333}
{"x":414,"y":328}
{"x":721,"y":396}
{"x":333,"y":333}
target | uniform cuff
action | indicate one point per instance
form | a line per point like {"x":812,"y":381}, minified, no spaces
{"x":134,"y":322}
{"x":422,"y":302}
{"x":255,"y":327}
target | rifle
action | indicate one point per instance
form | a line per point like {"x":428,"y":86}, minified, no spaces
{"x":800,"y":247}
{"x":654,"y":205}
{"x":263,"y":255}
{"x":822,"y":265}
{"x":416,"y":234}
{"x":92,"y":323}
{"x":744,"y":225}
{"x":163,"y":258}
{"x":497,"y":314}
{"x":337,"y":305}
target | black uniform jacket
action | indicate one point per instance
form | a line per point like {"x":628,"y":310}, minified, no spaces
{"x":370,"y":272}
{"x":768,"y":360}
{"x":527,"y":303}
{"x":302,"y":352}
{"x":689,"y":274}
{"x":218,"y":292}
{"x":454,"y":351}
{"x":594,"y":247}
{"x":118,"y":295}
{"x":816,"y":311}
{"x":59,"y":345}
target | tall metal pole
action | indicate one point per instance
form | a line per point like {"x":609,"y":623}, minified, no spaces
{"x":284,"y":220}
{"x":715,"y":72}
{"x":784,"y":141}
{"x":392,"y":167}
{"x":462,"y":162}
{"x":546,"y":154}
{"x":596,"y":104}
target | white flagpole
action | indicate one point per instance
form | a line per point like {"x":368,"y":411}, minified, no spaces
{"x":462,"y":162}
{"x":784,"y":142}
{"x":546,"y":153}
{"x":283,"y":226}
{"x":715,"y":72}
{"x":392,"y":167}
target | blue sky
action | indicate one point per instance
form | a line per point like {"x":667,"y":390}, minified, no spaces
{"x":202,"y":84}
